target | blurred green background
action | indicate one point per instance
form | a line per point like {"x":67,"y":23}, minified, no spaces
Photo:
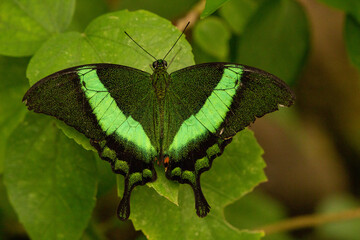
{"x":312,"y":150}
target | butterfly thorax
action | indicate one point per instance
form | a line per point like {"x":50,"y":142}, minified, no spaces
{"x":160,"y":78}
{"x":160,"y":81}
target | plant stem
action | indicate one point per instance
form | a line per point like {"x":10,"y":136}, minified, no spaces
{"x":192,"y":16}
{"x":309,"y":221}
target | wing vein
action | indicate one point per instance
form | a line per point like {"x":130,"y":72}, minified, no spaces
{"x":192,"y":114}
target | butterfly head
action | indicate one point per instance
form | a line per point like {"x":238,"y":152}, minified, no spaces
{"x":159,"y":64}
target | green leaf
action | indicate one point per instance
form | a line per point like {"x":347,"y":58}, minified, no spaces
{"x":169,"y":10}
{"x":92,"y":233}
{"x":165,"y":187}
{"x":349,"y":6}
{"x":86,"y":11}
{"x":211,"y":6}
{"x":26,"y":24}
{"x":78,"y":137}
{"x":237,"y":13}
{"x":342,"y":230}
{"x":51,"y":181}
{"x":276,"y":39}
{"x":255,"y":210}
{"x":107,"y":179}
{"x":352,"y":38}
{"x":8,"y":219}
{"x":235,"y":173}
{"x":212,"y":35}
{"x":13,"y":85}
{"x":202,"y":56}
{"x":104,"y":41}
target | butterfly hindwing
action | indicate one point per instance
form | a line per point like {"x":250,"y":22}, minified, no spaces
{"x":207,"y":105}
{"x":113,"y":106}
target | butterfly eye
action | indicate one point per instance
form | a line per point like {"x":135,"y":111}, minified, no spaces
{"x":165,"y":63}
{"x":155,"y":64}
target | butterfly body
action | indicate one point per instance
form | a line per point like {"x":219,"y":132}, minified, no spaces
{"x":182,"y":120}
{"x":160,"y":81}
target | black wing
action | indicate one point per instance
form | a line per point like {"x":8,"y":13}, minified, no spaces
{"x":113,"y":106}
{"x":207,"y":104}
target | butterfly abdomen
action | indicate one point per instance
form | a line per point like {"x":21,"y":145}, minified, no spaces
{"x":160,"y":81}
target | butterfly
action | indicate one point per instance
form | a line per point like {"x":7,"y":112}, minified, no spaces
{"x":182,"y":120}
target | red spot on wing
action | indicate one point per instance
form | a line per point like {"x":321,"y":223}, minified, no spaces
{"x":166,"y":162}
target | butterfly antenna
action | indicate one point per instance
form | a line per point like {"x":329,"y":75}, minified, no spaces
{"x":139,"y":45}
{"x":173,"y":58}
{"x":177,"y":40}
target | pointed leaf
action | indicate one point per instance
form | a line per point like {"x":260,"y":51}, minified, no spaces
{"x":107,"y":179}
{"x":233,"y":174}
{"x":164,"y":9}
{"x":211,"y":6}
{"x":51,"y":181}
{"x":276,"y":39}
{"x":164,"y":187}
{"x":26,"y":24}
{"x":212,"y":35}
{"x":86,"y":11}
{"x":13,"y":85}
{"x":237,"y":13}
{"x":104,"y":41}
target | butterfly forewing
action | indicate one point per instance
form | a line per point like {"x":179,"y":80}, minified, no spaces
{"x":218,"y":99}
{"x":259,"y":93}
{"x":60,"y":95}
